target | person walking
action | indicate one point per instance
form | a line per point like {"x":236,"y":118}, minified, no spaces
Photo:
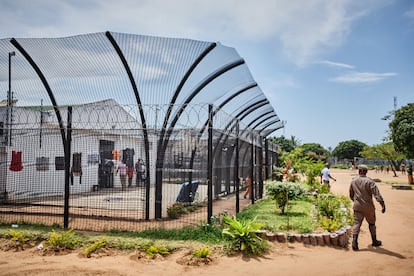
{"x":361,"y":191}
{"x":248,"y":187}
{"x":410,"y":174}
{"x":326,"y":175}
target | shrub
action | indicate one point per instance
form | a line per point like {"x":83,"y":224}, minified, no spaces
{"x":282,"y":192}
{"x":176,"y":210}
{"x":94,"y":247}
{"x":18,"y":236}
{"x":63,"y":240}
{"x":334,"y":212}
{"x":202,"y":252}
{"x":153,"y":249}
{"x":243,"y":236}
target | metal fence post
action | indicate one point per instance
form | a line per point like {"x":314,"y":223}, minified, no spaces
{"x":236,"y":169}
{"x":67,"y":150}
{"x":252,"y":169}
{"x":210,"y":164}
{"x":260,"y":176}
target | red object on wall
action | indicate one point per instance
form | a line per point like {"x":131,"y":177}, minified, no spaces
{"x":16,"y":162}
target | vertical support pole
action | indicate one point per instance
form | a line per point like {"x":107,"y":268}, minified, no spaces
{"x":267,"y":163}
{"x":9,"y":104}
{"x":67,"y":149}
{"x":236,"y":169}
{"x":260,"y":176}
{"x":210,"y":164}
{"x":252,"y":169}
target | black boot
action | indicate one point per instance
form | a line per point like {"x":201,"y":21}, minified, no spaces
{"x":373,"y":231}
{"x":376,"y":242}
{"x":355,"y":242}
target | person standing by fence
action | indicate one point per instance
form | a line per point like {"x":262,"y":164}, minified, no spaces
{"x":123,"y":172}
{"x":140,"y":171}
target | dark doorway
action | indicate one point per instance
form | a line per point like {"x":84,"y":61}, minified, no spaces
{"x":106,"y":166}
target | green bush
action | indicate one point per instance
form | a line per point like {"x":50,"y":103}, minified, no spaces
{"x":152,"y":249}
{"x":18,"y":236}
{"x":63,"y":240}
{"x":282,"y":192}
{"x":176,"y":210}
{"x":334,"y":212}
{"x":94,"y":247}
{"x":243,"y":236}
{"x":202,"y":252}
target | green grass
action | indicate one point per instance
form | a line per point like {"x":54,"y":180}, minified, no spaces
{"x":297,"y":217}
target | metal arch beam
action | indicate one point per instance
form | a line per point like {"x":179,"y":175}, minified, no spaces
{"x":45,"y":84}
{"x":141,"y":113}
{"x":264,"y":120}
{"x":66,"y":140}
{"x":159,"y":164}
{"x":163,"y":148}
{"x":264,"y":114}
{"x":269,"y":124}
{"x":175,"y":96}
{"x":266,"y":133}
{"x":226,"y":102}
{"x":200,"y":133}
{"x":213,"y":76}
{"x":246,"y":110}
{"x":254,"y":106}
{"x":234,"y":96}
{"x":182,"y":82}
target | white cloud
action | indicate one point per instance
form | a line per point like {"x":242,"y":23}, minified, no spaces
{"x":363,"y":77}
{"x":303,"y":29}
{"x":410,"y":13}
{"x":336,"y":64}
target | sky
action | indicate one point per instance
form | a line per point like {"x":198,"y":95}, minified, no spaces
{"x":331,"y":69}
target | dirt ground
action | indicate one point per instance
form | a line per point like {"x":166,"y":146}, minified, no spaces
{"x":395,"y":228}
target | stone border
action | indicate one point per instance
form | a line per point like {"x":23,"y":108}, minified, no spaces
{"x":339,"y":238}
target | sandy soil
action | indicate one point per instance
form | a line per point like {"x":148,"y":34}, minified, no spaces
{"x":395,"y":257}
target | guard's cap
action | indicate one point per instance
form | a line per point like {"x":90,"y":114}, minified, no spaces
{"x":363,"y":167}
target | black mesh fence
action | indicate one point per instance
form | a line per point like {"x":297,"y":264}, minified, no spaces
{"x":104,"y":171}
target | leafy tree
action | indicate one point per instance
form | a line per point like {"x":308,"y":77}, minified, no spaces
{"x":285,"y":144}
{"x":402,"y":130}
{"x":314,"y":151}
{"x":282,"y":192}
{"x":384,"y":151}
{"x":349,"y":149}
{"x":305,"y":165}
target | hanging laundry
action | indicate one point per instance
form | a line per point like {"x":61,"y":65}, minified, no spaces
{"x":59,"y":163}
{"x":77,"y":162}
{"x":16,"y":162}
{"x":128,"y":157}
{"x":76,"y":166}
{"x":42,"y":163}
{"x":115,"y":155}
{"x":93,"y":158}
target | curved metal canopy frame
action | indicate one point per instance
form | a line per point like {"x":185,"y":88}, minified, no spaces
{"x":45,"y":84}
{"x":171,"y":119}
{"x":165,"y":139}
{"x":141,"y":113}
